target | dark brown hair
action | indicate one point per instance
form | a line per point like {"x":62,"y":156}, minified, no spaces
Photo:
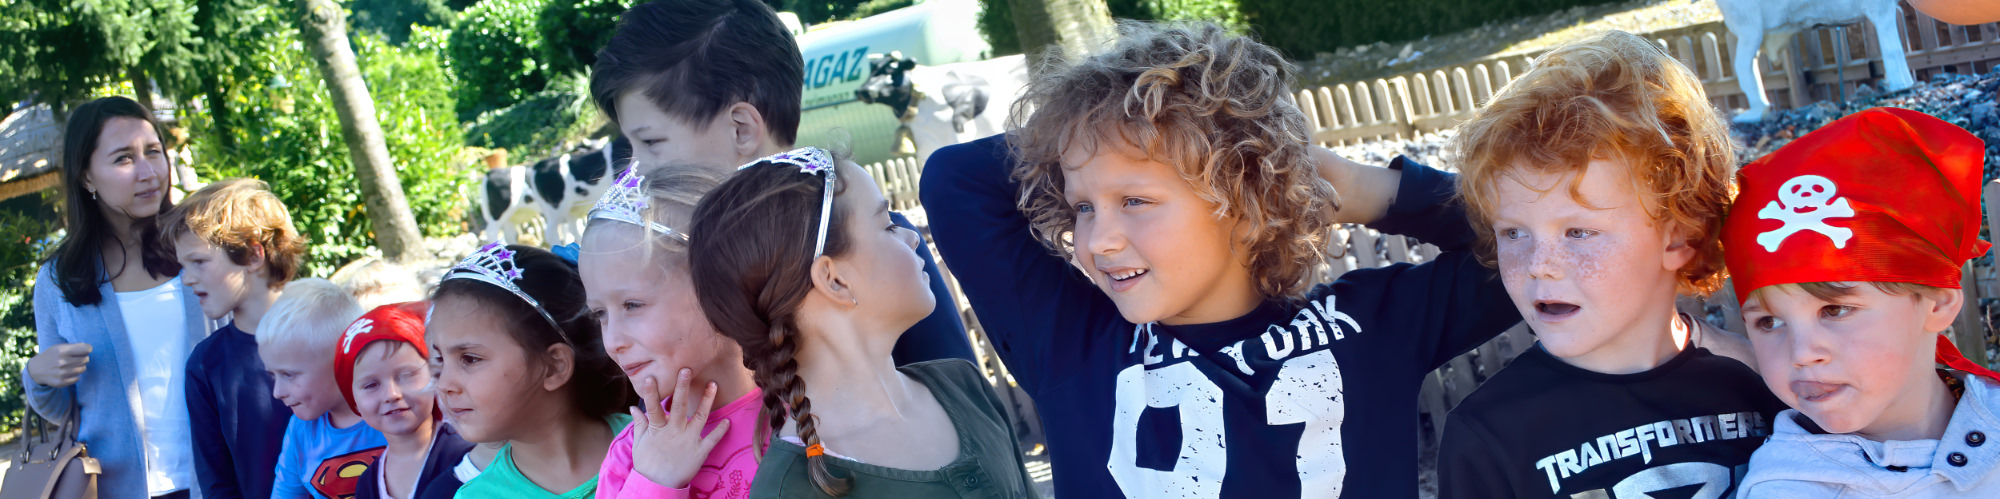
{"x":597,"y":387}
{"x":694,"y":58}
{"x":751,"y":262}
{"x":76,"y":260}
{"x":236,"y":215}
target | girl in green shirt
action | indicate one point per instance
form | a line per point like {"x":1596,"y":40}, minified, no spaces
{"x":519,"y":361}
{"x":796,"y":259}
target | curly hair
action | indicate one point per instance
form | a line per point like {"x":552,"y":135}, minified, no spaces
{"x":236,"y":215}
{"x":1213,"y":106}
{"x":1610,"y":96}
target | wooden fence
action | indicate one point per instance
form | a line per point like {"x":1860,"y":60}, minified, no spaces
{"x":1824,"y":62}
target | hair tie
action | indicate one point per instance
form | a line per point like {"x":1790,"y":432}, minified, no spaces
{"x":815,"y":450}
{"x":569,"y":252}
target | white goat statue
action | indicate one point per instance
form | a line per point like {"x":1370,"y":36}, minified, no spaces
{"x":1770,"y":24}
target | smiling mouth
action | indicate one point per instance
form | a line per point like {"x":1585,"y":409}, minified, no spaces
{"x":633,"y":369}
{"x":1556,"y":310}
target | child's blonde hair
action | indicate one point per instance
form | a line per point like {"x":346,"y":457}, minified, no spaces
{"x":237,"y":215}
{"x":1214,"y":106}
{"x":310,"y":314}
{"x":672,"y":190}
{"x":375,"y":282}
{"x":1612,"y":95}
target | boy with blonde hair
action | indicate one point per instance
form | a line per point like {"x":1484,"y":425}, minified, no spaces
{"x":327,"y":448}
{"x":1197,"y":354}
{"x":237,"y":249}
{"x":1847,"y":246}
{"x":1597,"y":182}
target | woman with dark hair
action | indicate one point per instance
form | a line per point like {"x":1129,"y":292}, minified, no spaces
{"x":112,"y":321}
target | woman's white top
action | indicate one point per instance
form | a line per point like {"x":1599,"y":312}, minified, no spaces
{"x":156,"y":320}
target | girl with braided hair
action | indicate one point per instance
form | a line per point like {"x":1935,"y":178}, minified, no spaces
{"x":795,"y":259}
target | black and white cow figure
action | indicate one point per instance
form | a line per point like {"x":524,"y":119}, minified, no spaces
{"x":560,"y":190}
{"x":945,"y":104}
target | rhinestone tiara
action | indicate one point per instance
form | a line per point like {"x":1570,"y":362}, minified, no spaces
{"x":494,"y":264}
{"x":626,"y":202}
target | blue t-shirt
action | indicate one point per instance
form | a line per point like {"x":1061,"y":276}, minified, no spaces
{"x":236,"y":424}
{"x":323,"y":462}
{"x":1316,"y":398}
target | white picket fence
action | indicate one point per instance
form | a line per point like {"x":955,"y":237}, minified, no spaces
{"x":1406,"y":105}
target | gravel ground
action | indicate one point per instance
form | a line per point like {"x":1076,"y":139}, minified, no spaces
{"x":1514,"y":36}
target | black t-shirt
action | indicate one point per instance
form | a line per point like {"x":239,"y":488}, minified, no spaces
{"x":1310,"y":399}
{"x":1544,"y":428}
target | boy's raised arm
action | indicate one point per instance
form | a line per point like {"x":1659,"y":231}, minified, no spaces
{"x":1027,"y":298}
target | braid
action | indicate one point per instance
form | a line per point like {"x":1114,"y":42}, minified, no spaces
{"x":776,"y":369}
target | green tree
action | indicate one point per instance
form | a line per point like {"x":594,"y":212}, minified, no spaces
{"x":57,"y":50}
{"x":393,"y":18}
{"x":1075,"y":27}
{"x":288,"y":134}
{"x":323,"y":27}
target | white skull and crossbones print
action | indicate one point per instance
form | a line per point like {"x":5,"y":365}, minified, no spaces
{"x":1808,"y":201}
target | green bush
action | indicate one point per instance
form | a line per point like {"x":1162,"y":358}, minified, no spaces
{"x":574,"y":30}
{"x":286,"y":133}
{"x":496,"y":53}
{"x":24,"y":238}
{"x":541,"y":123}
{"x":1304,"y":28}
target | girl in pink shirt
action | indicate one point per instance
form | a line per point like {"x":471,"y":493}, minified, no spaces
{"x":633,"y":258}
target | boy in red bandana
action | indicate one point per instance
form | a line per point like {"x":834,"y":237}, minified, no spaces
{"x":381,"y":370}
{"x":1846,"y":247}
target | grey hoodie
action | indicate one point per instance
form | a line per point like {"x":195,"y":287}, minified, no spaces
{"x":1964,"y":463}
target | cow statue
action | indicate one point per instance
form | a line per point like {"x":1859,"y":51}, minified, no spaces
{"x":1770,"y":24}
{"x":560,"y":190}
{"x":945,"y":104}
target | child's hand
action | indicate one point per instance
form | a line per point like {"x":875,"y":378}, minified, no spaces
{"x":669,"y":448}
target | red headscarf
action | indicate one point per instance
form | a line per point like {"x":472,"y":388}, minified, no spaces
{"x":396,"y":322}
{"x":1883,"y":195}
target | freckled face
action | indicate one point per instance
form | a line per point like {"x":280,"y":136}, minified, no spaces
{"x":1583,"y":273}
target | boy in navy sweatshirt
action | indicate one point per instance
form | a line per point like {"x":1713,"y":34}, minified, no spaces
{"x":1197,"y":353}
{"x":237,"y":249}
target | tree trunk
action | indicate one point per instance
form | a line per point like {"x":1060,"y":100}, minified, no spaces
{"x":142,"y":87}
{"x":324,"y":27}
{"x":1075,"y":28}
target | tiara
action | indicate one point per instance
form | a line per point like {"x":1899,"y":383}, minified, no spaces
{"x":810,"y":161}
{"x":626,"y":202}
{"x":494,"y":264}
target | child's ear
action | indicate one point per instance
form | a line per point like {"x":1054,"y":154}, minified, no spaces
{"x":828,"y":282}
{"x":749,"y":131}
{"x":561,"y":362}
{"x":1679,"y":251}
{"x":1939,"y":308}
{"x":256,"y":258}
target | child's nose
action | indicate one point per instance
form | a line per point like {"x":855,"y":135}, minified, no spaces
{"x":1809,"y":345}
{"x":1104,"y":237}
{"x":1546,"y":262}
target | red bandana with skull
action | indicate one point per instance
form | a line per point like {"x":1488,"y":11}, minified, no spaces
{"x":1883,"y":195}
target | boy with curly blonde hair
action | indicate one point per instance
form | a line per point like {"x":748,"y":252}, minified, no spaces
{"x":1174,"y":171}
{"x":1597,"y":182}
